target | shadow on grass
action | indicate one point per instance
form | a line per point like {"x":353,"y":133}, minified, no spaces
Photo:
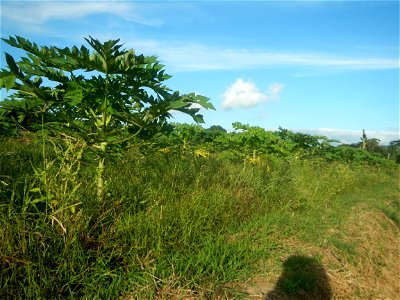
{"x":302,"y":278}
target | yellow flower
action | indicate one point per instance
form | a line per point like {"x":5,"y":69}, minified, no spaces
{"x":165,"y":150}
{"x":201,"y":153}
{"x":254,"y":160}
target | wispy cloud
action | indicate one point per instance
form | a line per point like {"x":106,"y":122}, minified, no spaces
{"x":186,"y":57}
{"x":274,"y":91}
{"x":36,"y":16}
{"x":26,"y":14}
{"x":245,"y":94}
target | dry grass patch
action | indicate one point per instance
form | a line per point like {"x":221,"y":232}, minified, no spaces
{"x":362,"y":262}
{"x":371,"y":271}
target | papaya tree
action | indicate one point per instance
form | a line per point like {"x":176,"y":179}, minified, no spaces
{"x":103,"y":94}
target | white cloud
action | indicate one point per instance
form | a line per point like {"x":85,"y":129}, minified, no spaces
{"x":43,"y":11}
{"x":245,"y":94}
{"x":188,"y":57}
{"x":35,"y":16}
{"x":179,"y":56}
{"x":196,"y":105}
{"x":274,"y":91}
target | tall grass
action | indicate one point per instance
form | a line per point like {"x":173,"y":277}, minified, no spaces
{"x":179,"y":220}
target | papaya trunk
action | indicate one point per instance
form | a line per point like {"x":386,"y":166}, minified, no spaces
{"x":100,"y":173}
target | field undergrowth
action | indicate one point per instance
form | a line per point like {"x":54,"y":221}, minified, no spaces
{"x":170,"y":224}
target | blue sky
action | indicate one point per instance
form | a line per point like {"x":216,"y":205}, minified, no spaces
{"x":322,"y":67}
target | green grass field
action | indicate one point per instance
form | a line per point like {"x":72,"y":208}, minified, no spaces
{"x":185,"y":227}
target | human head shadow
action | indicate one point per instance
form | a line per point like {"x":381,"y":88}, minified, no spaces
{"x":302,"y":278}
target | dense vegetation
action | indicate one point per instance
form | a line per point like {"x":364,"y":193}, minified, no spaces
{"x":101,"y":197}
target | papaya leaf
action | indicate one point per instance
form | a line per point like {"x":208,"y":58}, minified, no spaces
{"x":8,"y":82}
{"x":12,"y":65}
{"x":178,"y":104}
